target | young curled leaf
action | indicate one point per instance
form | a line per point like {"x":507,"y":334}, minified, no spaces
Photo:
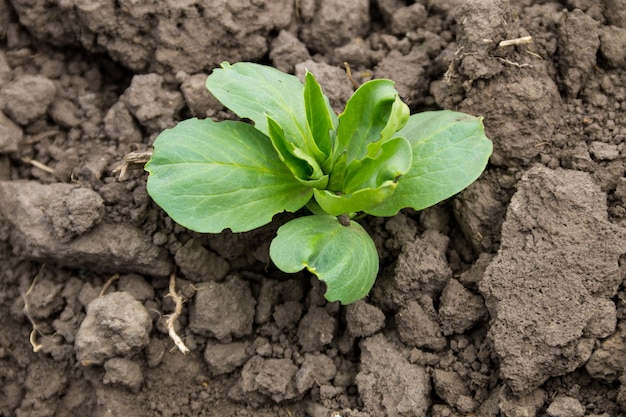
{"x":372,"y":116}
{"x":391,"y":160}
{"x":344,"y":257}
{"x":320,"y":115}
{"x":370,"y":181}
{"x":361,"y":200}
{"x":373,"y":109}
{"x":303,"y":166}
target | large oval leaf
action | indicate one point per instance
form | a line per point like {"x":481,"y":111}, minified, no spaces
{"x":344,"y":257}
{"x":209,"y":176}
{"x":258,"y":92}
{"x":450,"y":151}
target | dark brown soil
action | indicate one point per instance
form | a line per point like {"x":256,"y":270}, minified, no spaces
{"x":506,"y":300}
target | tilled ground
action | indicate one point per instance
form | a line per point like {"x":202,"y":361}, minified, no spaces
{"x":507,"y":299}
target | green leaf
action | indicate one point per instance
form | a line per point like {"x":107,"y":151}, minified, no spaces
{"x":344,"y":257}
{"x":392,"y":160}
{"x":209,"y":176}
{"x":373,"y":109}
{"x":300,"y":168}
{"x":303,"y":166}
{"x":258,"y":92}
{"x":320,"y":115}
{"x":360,"y":200}
{"x":372,"y":116}
{"x":397,"y":119}
{"x":450,"y":151}
{"x":370,"y":181}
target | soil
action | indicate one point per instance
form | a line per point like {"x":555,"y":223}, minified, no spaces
{"x":508,"y":299}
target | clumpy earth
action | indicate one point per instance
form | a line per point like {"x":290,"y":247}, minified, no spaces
{"x":508,"y":299}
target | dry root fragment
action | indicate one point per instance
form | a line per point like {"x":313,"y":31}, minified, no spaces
{"x":107,"y":284}
{"x":171,"y":319}
{"x":132,"y":160}
{"x":35,"y":333}
{"x":515,"y":64}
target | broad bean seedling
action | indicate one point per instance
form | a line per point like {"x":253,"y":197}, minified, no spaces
{"x":374,"y":158}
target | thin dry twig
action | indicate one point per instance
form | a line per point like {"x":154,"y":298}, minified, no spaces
{"x":524,"y":40}
{"x":171,"y":319}
{"x":350,"y":77}
{"x":43,"y":135}
{"x":38,"y":164}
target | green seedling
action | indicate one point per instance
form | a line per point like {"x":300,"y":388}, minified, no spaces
{"x":374,"y":158}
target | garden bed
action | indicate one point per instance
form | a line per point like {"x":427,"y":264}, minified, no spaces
{"x":507,"y":299}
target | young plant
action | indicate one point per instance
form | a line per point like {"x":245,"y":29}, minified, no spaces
{"x":371,"y":159}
